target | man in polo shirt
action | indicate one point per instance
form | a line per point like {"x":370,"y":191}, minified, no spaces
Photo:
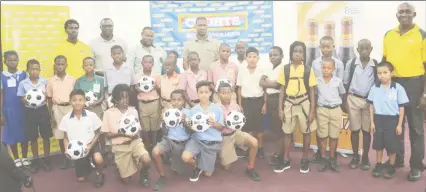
{"x":101,"y":46}
{"x":206,"y":47}
{"x":73,"y":49}
{"x":146,"y":47}
{"x":405,"y":48}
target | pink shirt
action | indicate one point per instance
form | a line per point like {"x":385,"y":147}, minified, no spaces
{"x":219,"y":71}
{"x":168,"y":85}
{"x":59,"y":90}
{"x":110,"y":123}
{"x":188,"y":81}
{"x":226,"y":111}
{"x":153,"y":94}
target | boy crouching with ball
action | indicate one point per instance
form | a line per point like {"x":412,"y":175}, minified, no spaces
{"x":235,"y":137}
{"x":204,"y":145}
{"x":174,"y":142}
{"x":83,"y":125}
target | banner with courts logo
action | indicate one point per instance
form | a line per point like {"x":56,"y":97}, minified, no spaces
{"x":249,"y":21}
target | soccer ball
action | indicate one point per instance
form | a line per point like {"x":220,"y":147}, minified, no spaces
{"x":220,"y":81}
{"x":35,"y":98}
{"x":235,"y":120}
{"x":76,"y":149}
{"x":129,"y":125}
{"x":200,"y":122}
{"x":110,"y":104}
{"x":146,"y":84}
{"x":172,"y":117}
{"x":90,"y":98}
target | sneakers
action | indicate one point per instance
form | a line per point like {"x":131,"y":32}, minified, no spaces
{"x":261,"y":153}
{"x":354,"y":162}
{"x":365,"y":164}
{"x":159,"y":184}
{"x":143,"y":177}
{"x":324,"y":165}
{"x":100,"y":179}
{"x":273,"y":159}
{"x":334,"y":165}
{"x":281,"y":165}
{"x":390,"y":172}
{"x":26,"y":163}
{"x":252,"y":174}
{"x":414,"y":175}
{"x":316,"y":158}
{"x":377,"y":171}
{"x":195,"y":175}
{"x":18,"y":163}
{"x":304,"y":166}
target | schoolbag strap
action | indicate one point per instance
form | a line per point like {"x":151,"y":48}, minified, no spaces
{"x":351,"y":73}
{"x":286,"y":74}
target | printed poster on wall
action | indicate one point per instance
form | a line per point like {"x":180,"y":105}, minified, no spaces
{"x":34,"y":31}
{"x":249,"y":21}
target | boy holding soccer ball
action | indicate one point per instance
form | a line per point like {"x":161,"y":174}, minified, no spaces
{"x":235,"y":137}
{"x":205,"y":144}
{"x":83,"y":125}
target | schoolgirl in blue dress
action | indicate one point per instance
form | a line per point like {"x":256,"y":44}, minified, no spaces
{"x":13,"y":115}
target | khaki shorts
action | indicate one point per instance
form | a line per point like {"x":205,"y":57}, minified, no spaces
{"x":358,"y":113}
{"x":216,"y":98}
{"x":127,"y":157}
{"x":329,"y":122}
{"x":295,"y":116}
{"x":227,"y":150}
{"x":149,"y":114}
{"x":58,"y":113}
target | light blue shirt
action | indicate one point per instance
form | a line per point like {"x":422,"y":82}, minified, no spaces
{"x":26,"y":85}
{"x":179,"y":133}
{"x":386,"y":101}
{"x":362,"y":79}
{"x":211,"y":134}
{"x":329,"y":94}
{"x":338,"y":72}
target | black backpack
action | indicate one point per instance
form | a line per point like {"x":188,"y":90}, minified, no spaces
{"x":306,"y":74}
{"x":352,"y":70}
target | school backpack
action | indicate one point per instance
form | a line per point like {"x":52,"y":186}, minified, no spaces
{"x":352,"y":70}
{"x":306,"y":75}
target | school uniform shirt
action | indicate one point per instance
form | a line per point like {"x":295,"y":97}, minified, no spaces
{"x":338,"y":72}
{"x":83,"y":129}
{"x":387,"y":100}
{"x":226,"y":110}
{"x":249,"y":82}
{"x":211,"y":134}
{"x":296,"y":87}
{"x":218,"y":71}
{"x":110,"y":123}
{"x":26,"y":85}
{"x":272,"y":74}
{"x":168,"y":84}
{"x":153,"y":94}
{"x":329,"y":93}
{"x":362,"y":79}
{"x":59,"y":90}
{"x":124,"y":75}
{"x":189,"y":80}
{"x":179,"y":132}
{"x":96,"y":85}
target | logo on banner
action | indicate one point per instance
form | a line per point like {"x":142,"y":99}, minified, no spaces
{"x":216,"y":21}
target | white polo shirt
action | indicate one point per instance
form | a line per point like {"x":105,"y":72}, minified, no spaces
{"x":82,"y":129}
{"x":272,"y":75}
{"x":101,"y":49}
{"x":249,"y":82}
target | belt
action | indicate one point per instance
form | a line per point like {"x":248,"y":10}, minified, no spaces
{"x":359,"y":96}
{"x":209,"y":142}
{"x":63,"y":104}
{"x":402,"y":78}
{"x":195,"y":101}
{"x":228,"y":134}
{"x":179,"y":142}
{"x":99,"y":73}
{"x":253,"y":98}
{"x":273,"y":94}
{"x":167,"y":100}
{"x":330,"y":107}
{"x":148,"y":101}
{"x":308,"y":129}
{"x":297,"y":97}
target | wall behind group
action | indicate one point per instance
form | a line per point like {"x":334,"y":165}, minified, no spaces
{"x":130,"y":17}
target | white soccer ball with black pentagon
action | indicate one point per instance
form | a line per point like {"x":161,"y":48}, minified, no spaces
{"x":75,"y":149}
{"x":146,"y":84}
{"x":220,"y":81}
{"x":172,"y":117}
{"x":90,"y":98}
{"x":129,"y":125}
{"x":235,"y":120}
{"x":110,"y":104}
{"x":35,"y":98}
{"x":200,"y":122}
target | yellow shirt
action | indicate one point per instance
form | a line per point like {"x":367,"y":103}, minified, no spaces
{"x":293,"y":88}
{"x":406,"y":52}
{"x":75,"y":53}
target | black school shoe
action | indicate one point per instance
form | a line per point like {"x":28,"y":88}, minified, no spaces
{"x":324,"y":165}
{"x":100,"y":179}
{"x":281,"y":165}
{"x":354,"y":162}
{"x":143,"y":177}
{"x":365,"y":165}
{"x":273,"y":159}
{"x":316,"y":158}
{"x":377,"y":171}
{"x":159,"y":184}
{"x":252,"y":174}
{"x":414,"y":175}
{"x":261,"y":153}
{"x":390,"y":172}
{"x":334,"y":165}
{"x":195,"y":175}
{"x":304,"y":166}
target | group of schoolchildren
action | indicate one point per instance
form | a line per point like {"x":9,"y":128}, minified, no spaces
{"x":291,"y":96}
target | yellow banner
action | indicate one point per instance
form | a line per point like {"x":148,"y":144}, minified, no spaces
{"x":34,"y":31}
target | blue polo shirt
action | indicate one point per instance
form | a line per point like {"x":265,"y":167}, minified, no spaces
{"x":211,"y":134}
{"x":387,"y":100}
{"x":179,"y":133}
{"x":26,"y":85}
